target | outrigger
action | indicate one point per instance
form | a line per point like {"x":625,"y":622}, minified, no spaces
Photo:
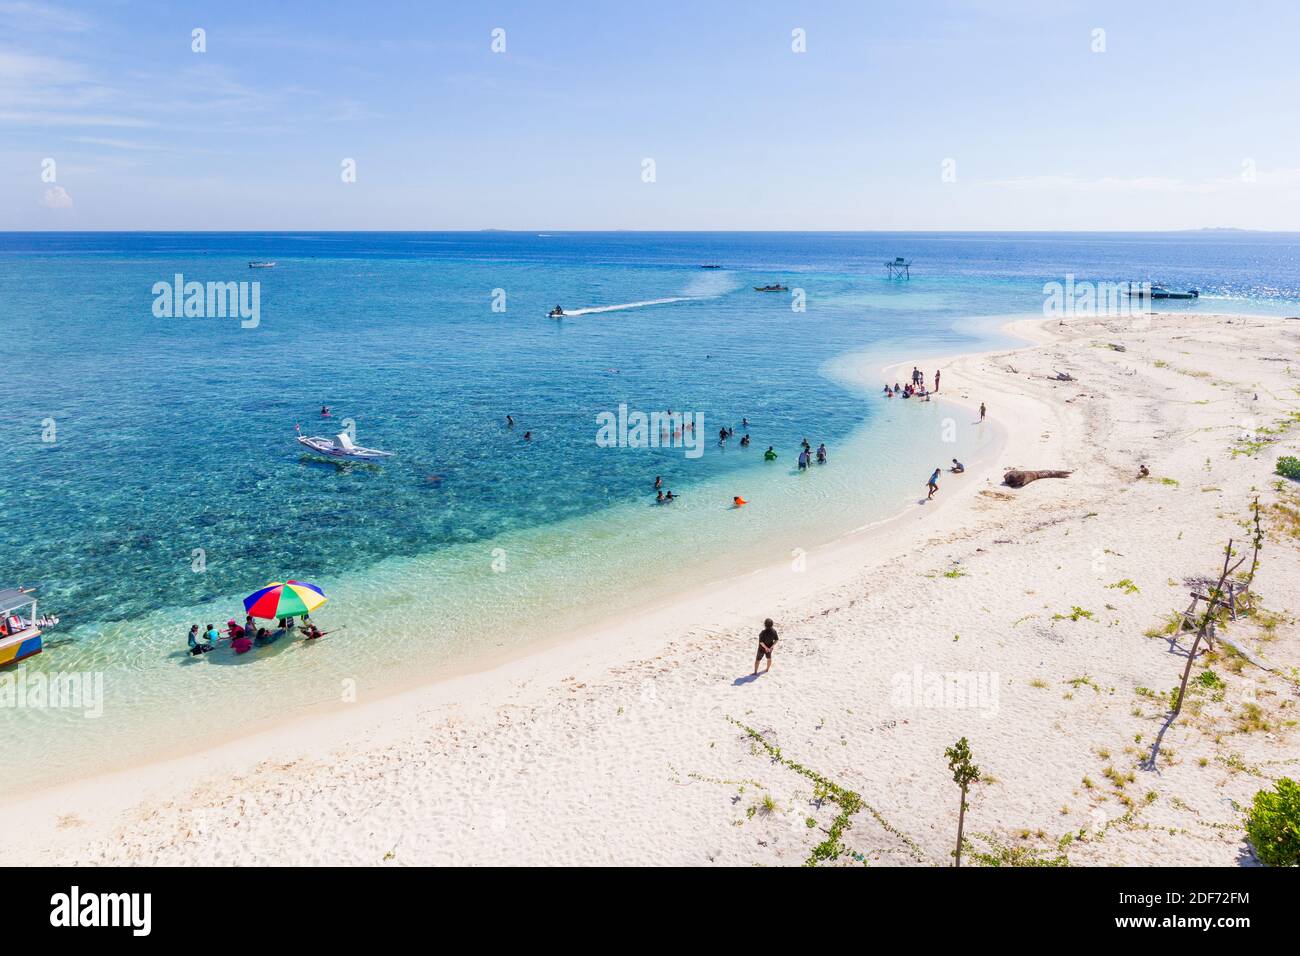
{"x":20,"y":635}
{"x":771,"y":288}
{"x":340,"y":446}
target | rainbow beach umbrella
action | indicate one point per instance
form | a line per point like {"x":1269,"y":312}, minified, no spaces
{"x":284,"y":599}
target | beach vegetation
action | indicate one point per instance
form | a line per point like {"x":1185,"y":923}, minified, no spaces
{"x":954,"y":573}
{"x":1001,"y":854}
{"x":849,"y":802}
{"x":1125,"y":585}
{"x":1084,"y":681}
{"x":1209,"y":680}
{"x":1273,"y":824}
{"x":964,"y":773}
{"x":1076,"y":613}
{"x":1251,"y":718}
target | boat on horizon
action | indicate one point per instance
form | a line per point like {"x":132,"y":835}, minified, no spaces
{"x":771,"y":288}
{"x":1160,"y":292}
{"x":261,"y":265}
{"x":711,"y":265}
{"x":340,"y":447}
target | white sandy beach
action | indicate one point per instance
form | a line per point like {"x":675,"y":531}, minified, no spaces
{"x":625,"y":746}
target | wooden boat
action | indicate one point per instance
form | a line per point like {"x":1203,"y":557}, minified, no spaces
{"x":20,"y":634}
{"x":771,"y":288}
{"x":340,"y":447}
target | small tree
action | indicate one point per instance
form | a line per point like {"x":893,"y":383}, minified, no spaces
{"x":1273,"y":824}
{"x":964,"y":773}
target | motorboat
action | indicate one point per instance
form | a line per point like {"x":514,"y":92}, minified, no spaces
{"x":20,"y":627}
{"x":711,"y":265}
{"x":771,"y":288}
{"x":556,"y":313}
{"x":261,"y":265}
{"x":1160,"y":292}
{"x":340,"y":447}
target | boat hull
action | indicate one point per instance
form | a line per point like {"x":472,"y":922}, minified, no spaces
{"x":19,"y":647}
{"x":334,"y":453}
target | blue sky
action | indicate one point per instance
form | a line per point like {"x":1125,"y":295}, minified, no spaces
{"x":1187,"y":119}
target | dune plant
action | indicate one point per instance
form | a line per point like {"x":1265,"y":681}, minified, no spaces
{"x":964,"y":773}
{"x":1273,"y":824}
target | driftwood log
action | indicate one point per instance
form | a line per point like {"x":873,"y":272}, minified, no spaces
{"x":1018,"y":479}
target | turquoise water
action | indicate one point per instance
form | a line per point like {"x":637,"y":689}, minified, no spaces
{"x":174,"y":436}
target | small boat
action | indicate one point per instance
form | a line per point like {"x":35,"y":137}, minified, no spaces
{"x":340,"y":447}
{"x":556,"y":313}
{"x":261,"y":265}
{"x":770,"y":288}
{"x":1160,"y":292}
{"x":711,"y":265}
{"x":20,"y":635}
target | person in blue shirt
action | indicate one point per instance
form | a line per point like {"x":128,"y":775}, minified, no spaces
{"x":933,"y":484}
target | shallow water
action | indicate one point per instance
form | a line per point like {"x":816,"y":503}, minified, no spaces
{"x":172,"y":485}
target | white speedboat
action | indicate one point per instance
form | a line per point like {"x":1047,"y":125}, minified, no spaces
{"x":340,"y":446}
{"x":261,"y":265}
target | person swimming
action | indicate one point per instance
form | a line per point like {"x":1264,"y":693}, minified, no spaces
{"x":803,"y":459}
{"x":510,"y":421}
{"x":770,"y":454}
{"x":659,"y":482}
{"x":324,"y":411}
{"x":738,"y":502}
{"x":528,"y":436}
{"x":670,"y":497}
{"x":660,"y":498}
{"x":744,"y":423}
{"x":821,"y":454}
{"x":744,"y":441}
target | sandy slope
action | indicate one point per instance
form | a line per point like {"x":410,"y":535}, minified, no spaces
{"x":624,"y":746}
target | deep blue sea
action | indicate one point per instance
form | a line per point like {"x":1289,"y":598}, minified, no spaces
{"x":152,"y":478}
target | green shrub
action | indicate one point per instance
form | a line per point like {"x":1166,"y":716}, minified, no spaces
{"x":1288,"y":466}
{"x":1273,"y":824}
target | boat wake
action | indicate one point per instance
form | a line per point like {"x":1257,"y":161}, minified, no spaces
{"x":627,"y":305}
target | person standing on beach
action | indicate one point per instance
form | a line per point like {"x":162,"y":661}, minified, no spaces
{"x":932,"y":484}
{"x":936,"y":380}
{"x":766,"y":641}
{"x":983,"y":411}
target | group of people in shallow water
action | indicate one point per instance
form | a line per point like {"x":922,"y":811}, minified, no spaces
{"x":915,"y":388}
{"x":806,"y":458}
{"x":243,"y":638}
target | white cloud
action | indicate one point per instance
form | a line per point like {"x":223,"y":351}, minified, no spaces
{"x":1068,"y":182}
{"x":56,"y":197}
{"x":73,"y":119}
{"x":21,"y":15}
